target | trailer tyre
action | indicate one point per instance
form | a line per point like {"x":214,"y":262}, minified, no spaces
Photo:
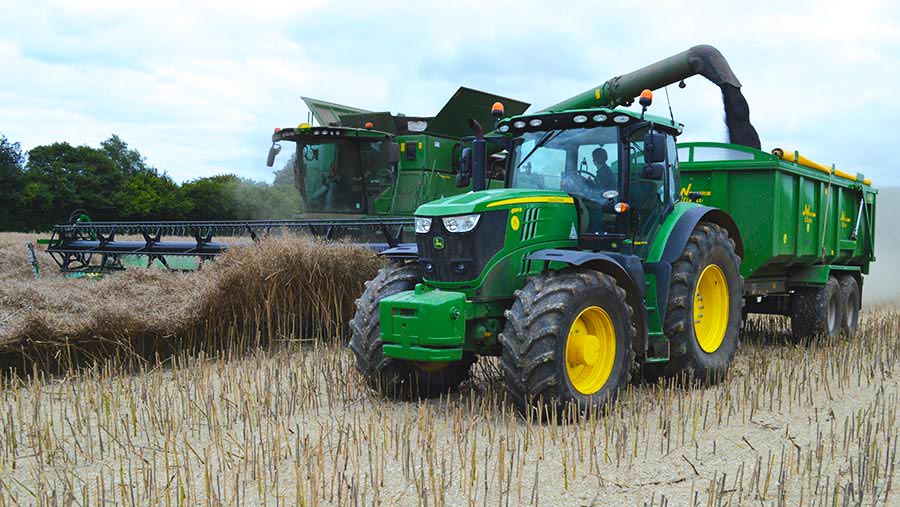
{"x":817,"y":311}
{"x":567,"y":342}
{"x":703,"y":312}
{"x":394,"y":378}
{"x":851,"y":302}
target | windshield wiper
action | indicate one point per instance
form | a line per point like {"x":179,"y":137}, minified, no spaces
{"x":546,"y":138}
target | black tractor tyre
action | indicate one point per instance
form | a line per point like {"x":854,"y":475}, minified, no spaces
{"x":851,"y":300}
{"x":535,"y":336}
{"x":817,"y":311}
{"x":709,"y":244}
{"x":389,"y":377}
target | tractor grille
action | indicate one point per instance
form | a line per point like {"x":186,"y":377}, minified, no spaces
{"x":464,"y":254}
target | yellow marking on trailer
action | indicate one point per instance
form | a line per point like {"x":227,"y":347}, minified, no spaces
{"x":795,"y":157}
{"x":845,"y":220}
{"x":533,"y":200}
{"x":785,"y":238}
{"x":597,"y":94}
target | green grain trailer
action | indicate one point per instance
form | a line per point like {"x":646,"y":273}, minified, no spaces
{"x":807,"y":229}
{"x":610,"y":251}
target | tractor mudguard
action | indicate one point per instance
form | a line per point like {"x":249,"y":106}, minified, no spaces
{"x":677,"y":240}
{"x":628,"y":272}
{"x":403,"y":251}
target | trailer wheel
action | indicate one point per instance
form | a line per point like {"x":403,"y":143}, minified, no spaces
{"x":394,"y":378}
{"x":567,"y":340}
{"x":703,"y":313}
{"x":851,"y":302}
{"x":817,"y":311}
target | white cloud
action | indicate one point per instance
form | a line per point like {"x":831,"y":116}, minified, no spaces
{"x":198,"y":86}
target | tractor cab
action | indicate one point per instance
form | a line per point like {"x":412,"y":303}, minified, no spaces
{"x":598,"y":156}
{"x":339,"y":170}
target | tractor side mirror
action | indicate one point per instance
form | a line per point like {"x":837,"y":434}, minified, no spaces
{"x":654,"y":148}
{"x":274,"y":150}
{"x":393,"y":153}
{"x":464,"y":176}
{"x":653,"y":172}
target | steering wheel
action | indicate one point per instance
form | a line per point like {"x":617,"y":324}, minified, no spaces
{"x":592,"y":178}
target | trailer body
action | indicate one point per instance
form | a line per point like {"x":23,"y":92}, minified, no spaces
{"x":799,"y":220}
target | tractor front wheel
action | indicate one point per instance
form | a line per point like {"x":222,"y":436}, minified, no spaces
{"x":394,"y":378}
{"x":703,"y":314}
{"x":567,"y":342}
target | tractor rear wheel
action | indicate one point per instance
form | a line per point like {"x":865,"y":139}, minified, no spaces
{"x":703,"y":312}
{"x":817,"y":311}
{"x":567,"y":341}
{"x":394,"y":378}
{"x":851,"y":300}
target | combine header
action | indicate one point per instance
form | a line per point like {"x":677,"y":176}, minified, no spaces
{"x":92,"y":247}
{"x":360,"y":175}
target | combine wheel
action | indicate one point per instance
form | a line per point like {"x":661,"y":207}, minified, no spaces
{"x":851,"y":301}
{"x":389,"y":377}
{"x":567,"y":340}
{"x":703,"y":313}
{"x":817,"y":311}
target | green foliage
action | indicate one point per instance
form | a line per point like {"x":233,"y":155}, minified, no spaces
{"x":61,"y":177}
{"x":115,"y":182}
{"x":285,"y":175}
{"x":11,"y":162}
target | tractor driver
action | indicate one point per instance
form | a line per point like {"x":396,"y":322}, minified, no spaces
{"x":589,"y":185}
{"x":605,"y":178}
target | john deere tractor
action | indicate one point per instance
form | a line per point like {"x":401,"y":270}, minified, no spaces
{"x":590,"y":265}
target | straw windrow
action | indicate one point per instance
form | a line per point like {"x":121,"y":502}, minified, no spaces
{"x":282,"y":290}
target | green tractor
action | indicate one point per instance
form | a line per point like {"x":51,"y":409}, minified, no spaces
{"x":593,"y":263}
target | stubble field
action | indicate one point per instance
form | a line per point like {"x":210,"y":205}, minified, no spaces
{"x":272,"y":412}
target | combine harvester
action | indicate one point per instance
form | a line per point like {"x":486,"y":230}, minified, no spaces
{"x":613,"y":249}
{"x":360,"y":175}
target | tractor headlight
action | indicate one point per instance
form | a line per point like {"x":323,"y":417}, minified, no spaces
{"x":423,"y":225}
{"x":464,"y":223}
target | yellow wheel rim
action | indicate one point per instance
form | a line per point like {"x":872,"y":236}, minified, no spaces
{"x":711,"y":308}
{"x":590,"y":350}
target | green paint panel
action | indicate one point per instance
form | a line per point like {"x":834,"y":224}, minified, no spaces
{"x":790,"y":216}
{"x":420,"y":321}
{"x":452,"y":120}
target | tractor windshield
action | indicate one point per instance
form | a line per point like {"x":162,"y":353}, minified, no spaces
{"x":341,"y":175}
{"x":582,"y":161}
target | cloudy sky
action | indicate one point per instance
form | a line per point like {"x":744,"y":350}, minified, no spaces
{"x":198,"y":86}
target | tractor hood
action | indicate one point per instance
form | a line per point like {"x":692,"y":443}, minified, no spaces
{"x":487,"y":200}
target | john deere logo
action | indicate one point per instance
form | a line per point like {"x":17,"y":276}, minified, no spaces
{"x":438,"y":243}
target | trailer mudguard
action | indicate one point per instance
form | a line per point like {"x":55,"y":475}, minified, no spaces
{"x":674,"y":234}
{"x":625,"y":269}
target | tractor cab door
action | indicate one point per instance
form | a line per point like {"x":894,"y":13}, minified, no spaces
{"x":652,"y":196}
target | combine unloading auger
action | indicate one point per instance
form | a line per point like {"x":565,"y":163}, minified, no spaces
{"x":704,"y":60}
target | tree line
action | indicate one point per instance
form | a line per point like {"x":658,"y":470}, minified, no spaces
{"x":114,"y":182}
